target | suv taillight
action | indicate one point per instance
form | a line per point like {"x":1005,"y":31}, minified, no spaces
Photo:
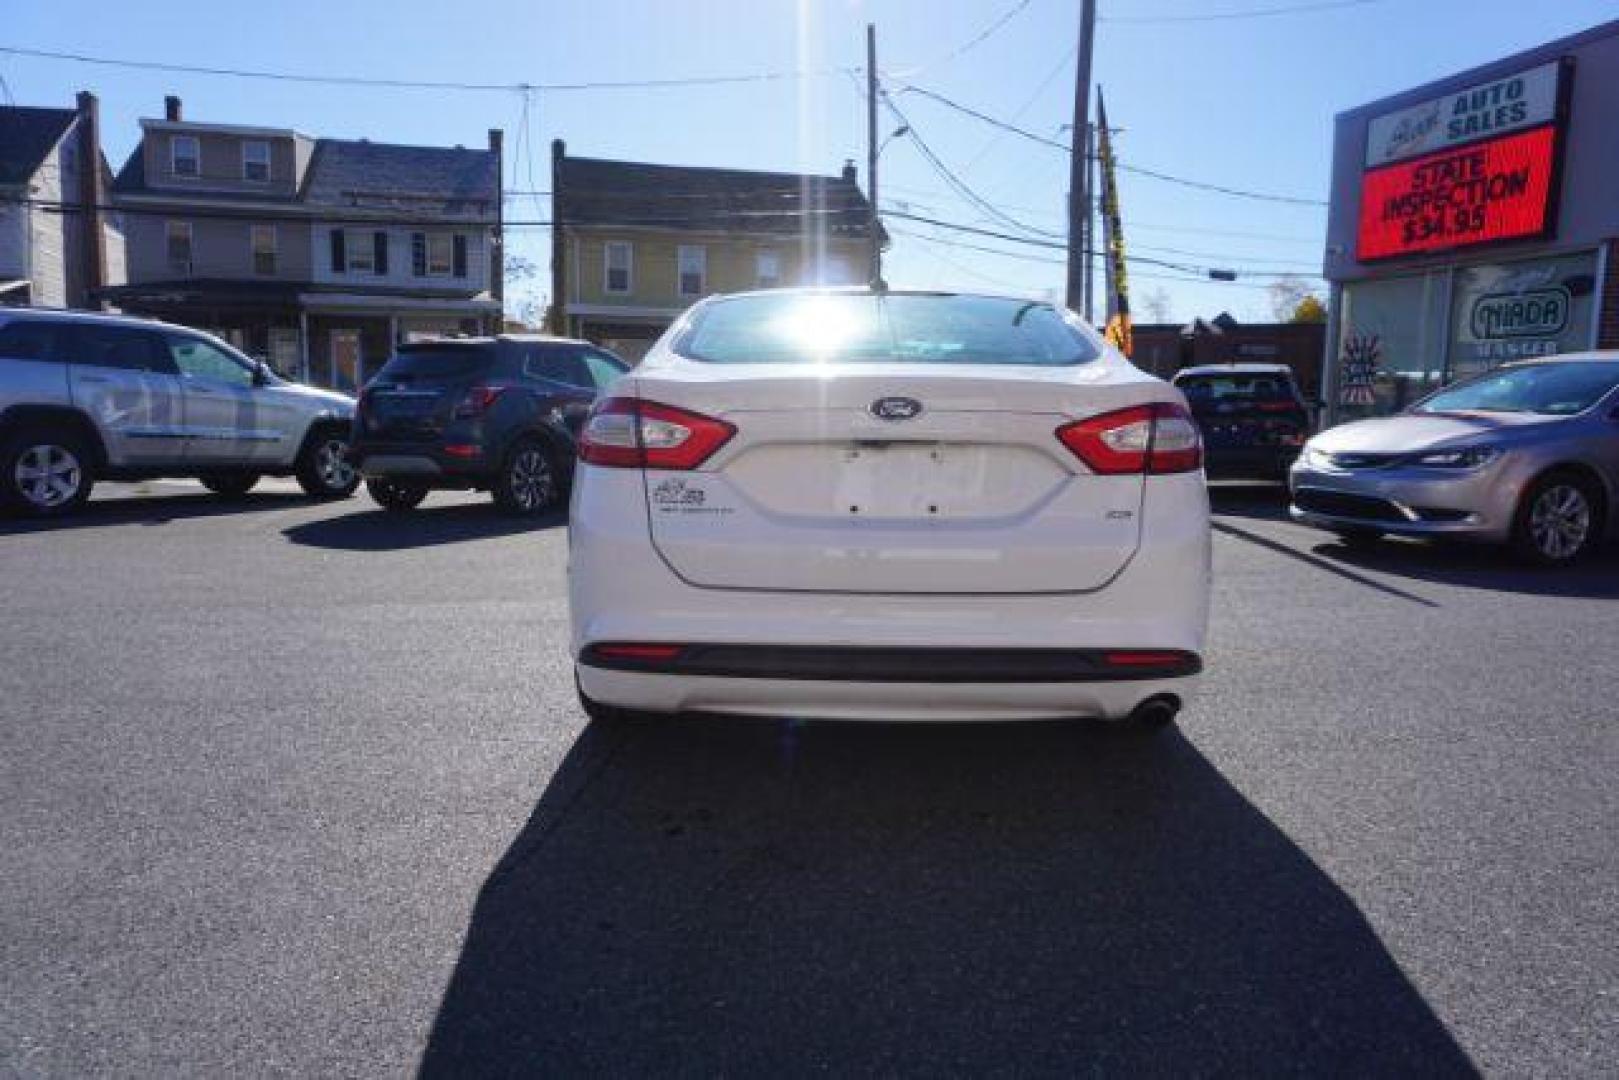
{"x":628,"y":433}
{"x":478,"y":401}
{"x":1156,"y":438}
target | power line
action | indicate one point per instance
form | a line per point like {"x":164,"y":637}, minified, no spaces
{"x":955,"y":182}
{"x":1251,"y":13}
{"x":984,"y":34}
{"x":1121,"y":166}
{"x":420,"y":84}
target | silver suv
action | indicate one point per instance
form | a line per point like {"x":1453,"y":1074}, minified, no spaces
{"x":86,"y":397}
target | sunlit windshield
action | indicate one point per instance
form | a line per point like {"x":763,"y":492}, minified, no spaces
{"x":1555,"y":389}
{"x":856,"y":327}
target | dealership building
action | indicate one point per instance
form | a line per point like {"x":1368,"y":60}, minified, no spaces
{"x":1473,"y":221}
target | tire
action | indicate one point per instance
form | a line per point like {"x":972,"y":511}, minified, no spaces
{"x":1358,"y":536}
{"x":1559,"y":520}
{"x":396,"y":495}
{"x":323,"y":469}
{"x":528,"y":482}
{"x":230,"y":485}
{"x":46,"y":473}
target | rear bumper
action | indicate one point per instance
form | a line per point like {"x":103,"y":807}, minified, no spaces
{"x":1248,"y":462}
{"x":840,"y":655}
{"x":414,"y":462}
{"x":875,"y":700}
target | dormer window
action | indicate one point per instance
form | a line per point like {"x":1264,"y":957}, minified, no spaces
{"x":256,"y":162}
{"x":185,"y":159}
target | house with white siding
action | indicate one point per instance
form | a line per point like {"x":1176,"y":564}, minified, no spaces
{"x":58,"y":245}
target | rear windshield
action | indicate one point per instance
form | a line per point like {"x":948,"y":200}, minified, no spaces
{"x":799,"y":328}
{"x":1553,"y":389}
{"x":414,"y":362}
{"x":1236,"y":388}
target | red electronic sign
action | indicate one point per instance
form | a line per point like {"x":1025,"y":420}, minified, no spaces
{"x":1495,"y":190}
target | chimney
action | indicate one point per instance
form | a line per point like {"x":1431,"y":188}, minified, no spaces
{"x":850,"y":173}
{"x":92,"y":194}
{"x":171,"y":108}
{"x":497,"y":253}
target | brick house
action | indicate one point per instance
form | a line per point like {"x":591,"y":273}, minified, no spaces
{"x":57,"y":243}
{"x":315,"y":254}
{"x":635,"y":244}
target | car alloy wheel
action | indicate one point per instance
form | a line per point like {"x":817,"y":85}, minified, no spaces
{"x":332,"y":464}
{"x":532,"y":484}
{"x":1560,"y":522}
{"x":48,"y":475}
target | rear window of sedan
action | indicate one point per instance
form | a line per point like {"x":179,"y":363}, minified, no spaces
{"x":1236,"y":388}
{"x":809,"y":328}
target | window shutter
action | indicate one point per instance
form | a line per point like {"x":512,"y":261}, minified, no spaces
{"x":379,"y":249}
{"x":418,"y":254}
{"x":339,"y":258}
{"x":459,"y":255}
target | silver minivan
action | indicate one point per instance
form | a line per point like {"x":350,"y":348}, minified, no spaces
{"x":87,"y":396}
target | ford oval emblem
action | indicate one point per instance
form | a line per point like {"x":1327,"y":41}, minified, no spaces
{"x":896,"y":408}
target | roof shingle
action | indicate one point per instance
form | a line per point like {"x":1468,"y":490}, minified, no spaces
{"x":592,"y":191}
{"x":26,"y":136}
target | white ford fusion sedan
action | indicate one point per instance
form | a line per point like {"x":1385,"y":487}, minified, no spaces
{"x":858,"y":504}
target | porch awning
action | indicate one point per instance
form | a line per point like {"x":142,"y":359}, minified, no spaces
{"x":323,"y":302}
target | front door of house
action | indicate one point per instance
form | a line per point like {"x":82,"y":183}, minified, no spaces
{"x":345,"y":373}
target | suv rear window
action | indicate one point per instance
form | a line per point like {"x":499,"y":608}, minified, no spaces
{"x":413,"y":362}
{"x":28,"y":339}
{"x":925,"y":328}
{"x":1237,"y":388}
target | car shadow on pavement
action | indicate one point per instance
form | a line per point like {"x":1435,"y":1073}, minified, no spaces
{"x":382,"y":530}
{"x":727,"y":897}
{"x":1251,"y":500}
{"x":151,"y":510}
{"x":1476,"y":566}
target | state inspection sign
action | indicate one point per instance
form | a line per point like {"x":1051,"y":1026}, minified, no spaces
{"x":1499,"y":189}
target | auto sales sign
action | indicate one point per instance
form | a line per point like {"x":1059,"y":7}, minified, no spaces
{"x":1472,"y":167}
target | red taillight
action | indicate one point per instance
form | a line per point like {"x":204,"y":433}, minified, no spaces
{"x":1157,"y":438}
{"x":462,"y":450}
{"x":478,"y":401}
{"x":628,"y":433}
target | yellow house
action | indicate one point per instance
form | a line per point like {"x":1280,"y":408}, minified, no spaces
{"x":634,"y":245}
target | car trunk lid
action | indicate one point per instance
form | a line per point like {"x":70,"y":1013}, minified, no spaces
{"x":414,"y":397}
{"x":826,"y":487}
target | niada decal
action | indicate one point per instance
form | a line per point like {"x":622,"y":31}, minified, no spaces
{"x":1533,"y":313}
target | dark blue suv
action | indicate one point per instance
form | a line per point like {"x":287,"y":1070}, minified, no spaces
{"x":1253,"y":420}
{"x":497,"y":414}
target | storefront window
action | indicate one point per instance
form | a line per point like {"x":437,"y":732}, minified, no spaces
{"x":1391,"y":344}
{"x":1516,"y":310}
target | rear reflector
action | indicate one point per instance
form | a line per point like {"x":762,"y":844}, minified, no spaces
{"x":628,"y":433}
{"x":1156,"y":438}
{"x":1140,"y":658}
{"x":647,"y":653}
{"x":461,"y":450}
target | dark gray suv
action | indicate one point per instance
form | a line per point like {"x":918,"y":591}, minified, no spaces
{"x":496,"y":414}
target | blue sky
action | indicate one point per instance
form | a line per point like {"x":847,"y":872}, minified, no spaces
{"x":1244,"y":102}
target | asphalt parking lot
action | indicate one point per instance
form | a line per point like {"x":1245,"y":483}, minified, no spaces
{"x":301,"y":788}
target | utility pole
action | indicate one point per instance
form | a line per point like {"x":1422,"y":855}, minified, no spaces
{"x":1079,"y":188}
{"x":1087,"y":236}
{"x":875,"y":275}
